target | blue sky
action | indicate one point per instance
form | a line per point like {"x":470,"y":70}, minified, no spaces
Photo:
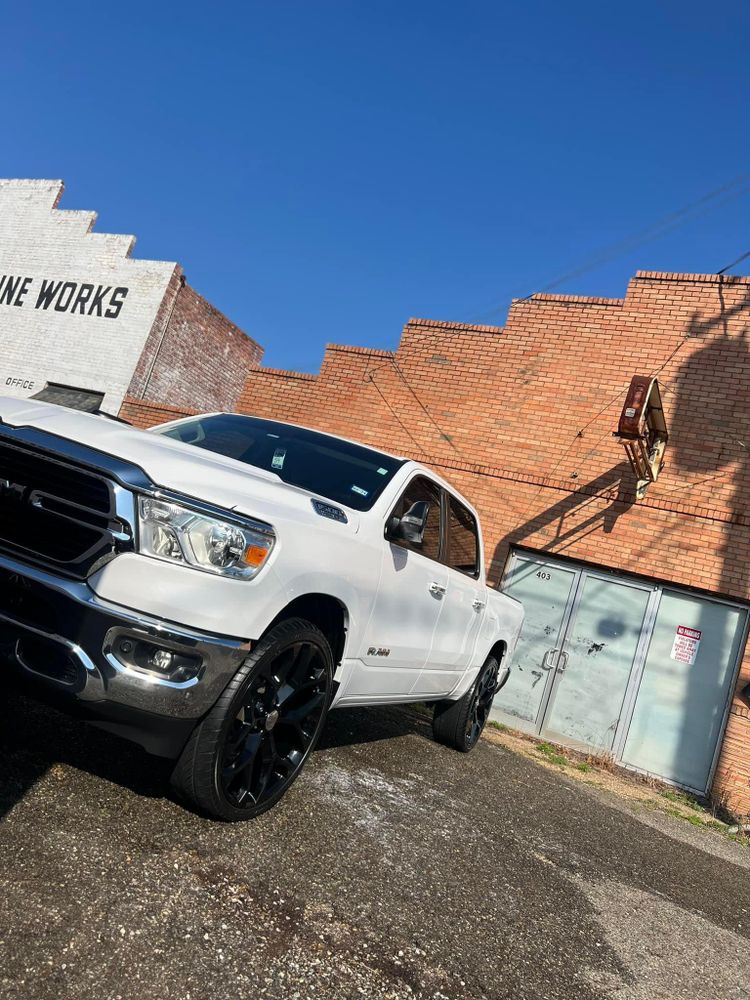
{"x":324,"y":169}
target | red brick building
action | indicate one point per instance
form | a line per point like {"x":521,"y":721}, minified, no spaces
{"x":520,"y":418}
{"x":194,"y":355}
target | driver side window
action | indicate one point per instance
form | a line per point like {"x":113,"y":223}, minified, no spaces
{"x":421,"y":490}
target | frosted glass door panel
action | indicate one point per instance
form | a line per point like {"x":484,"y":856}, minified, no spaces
{"x":545,"y":591}
{"x":682,"y":696}
{"x":601,"y":644}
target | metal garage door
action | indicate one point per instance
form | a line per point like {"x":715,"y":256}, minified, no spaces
{"x":622,"y":667}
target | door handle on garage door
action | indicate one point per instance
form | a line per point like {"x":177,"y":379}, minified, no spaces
{"x":548,"y":656}
{"x":437,"y":589}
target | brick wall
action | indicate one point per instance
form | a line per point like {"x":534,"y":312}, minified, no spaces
{"x":143,"y":414}
{"x":520,"y":418}
{"x":194,"y":355}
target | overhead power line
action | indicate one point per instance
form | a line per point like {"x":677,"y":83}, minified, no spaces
{"x":713,"y":199}
{"x":734,"y":188}
{"x":734,"y":263}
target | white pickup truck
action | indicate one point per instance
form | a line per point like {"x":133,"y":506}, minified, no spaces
{"x":211,"y":587}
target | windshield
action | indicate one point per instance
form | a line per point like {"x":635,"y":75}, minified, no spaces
{"x":337,"y":470}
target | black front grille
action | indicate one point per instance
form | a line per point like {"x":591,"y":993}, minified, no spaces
{"x":54,"y":512}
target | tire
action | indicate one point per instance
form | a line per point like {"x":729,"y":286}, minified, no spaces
{"x":459,"y":724}
{"x":244,"y":755}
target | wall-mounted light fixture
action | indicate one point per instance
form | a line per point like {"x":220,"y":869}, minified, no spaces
{"x":643,"y":430}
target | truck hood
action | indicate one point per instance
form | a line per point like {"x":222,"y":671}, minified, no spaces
{"x":174,"y":465}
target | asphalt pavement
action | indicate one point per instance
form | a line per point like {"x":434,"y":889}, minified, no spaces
{"x":393,"y":868}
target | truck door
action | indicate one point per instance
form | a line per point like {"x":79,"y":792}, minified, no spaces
{"x":463,"y":606}
{"x":413,"y":585}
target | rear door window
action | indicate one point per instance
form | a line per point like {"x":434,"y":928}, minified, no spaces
{"x":463,"y":539}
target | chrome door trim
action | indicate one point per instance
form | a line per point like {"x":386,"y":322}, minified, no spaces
{"x":553,"y":678}
{"x":636,"y":673}
{"x":574,"y":596}
{"x":546,"y":663}
{"x":639,"y":651}
{"x":639,"y":662}
{"x":743,"y":608}
{"x":730,"y":693}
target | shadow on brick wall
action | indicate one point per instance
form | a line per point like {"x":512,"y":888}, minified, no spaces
{"x":710,"y":445}
{"x":561,"y":524}
{"x":708,"y":403}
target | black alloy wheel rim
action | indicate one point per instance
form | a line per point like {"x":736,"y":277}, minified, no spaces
{"x":274,"y":729}
{"x":481,"y":702}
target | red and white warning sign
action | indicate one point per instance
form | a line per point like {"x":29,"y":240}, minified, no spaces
{"x":685,"y":645}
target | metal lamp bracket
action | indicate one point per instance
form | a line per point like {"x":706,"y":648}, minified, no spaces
{"x":643,"y":431}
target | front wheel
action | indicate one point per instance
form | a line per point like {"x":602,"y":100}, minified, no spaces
{"x":251,"y":746}
{"x":459,"y":724}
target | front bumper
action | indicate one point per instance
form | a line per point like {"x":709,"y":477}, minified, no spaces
{"x":63,"y":639}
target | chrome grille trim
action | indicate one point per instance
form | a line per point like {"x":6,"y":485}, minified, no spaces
{"x":58,"y":513}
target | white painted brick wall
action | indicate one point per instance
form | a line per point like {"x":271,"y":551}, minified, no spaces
{"x":86,"y":351}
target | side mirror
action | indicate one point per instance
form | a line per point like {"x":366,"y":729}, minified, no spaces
{"x":411,"y":526}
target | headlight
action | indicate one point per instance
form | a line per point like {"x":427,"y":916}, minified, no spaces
{"x":177,"y":534}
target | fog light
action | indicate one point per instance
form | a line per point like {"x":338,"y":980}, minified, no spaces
{"x":161,"y":659}
{"x":136,"y":653}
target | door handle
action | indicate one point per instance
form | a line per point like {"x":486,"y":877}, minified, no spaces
{"x":564,"y":662}
{"x":477,"y":604}
{"x":546,"y":665}
{"x":437,"y":589}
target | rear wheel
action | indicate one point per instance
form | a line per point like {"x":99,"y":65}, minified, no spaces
{"x":459,"y":724}
{"x":253,"y":743}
